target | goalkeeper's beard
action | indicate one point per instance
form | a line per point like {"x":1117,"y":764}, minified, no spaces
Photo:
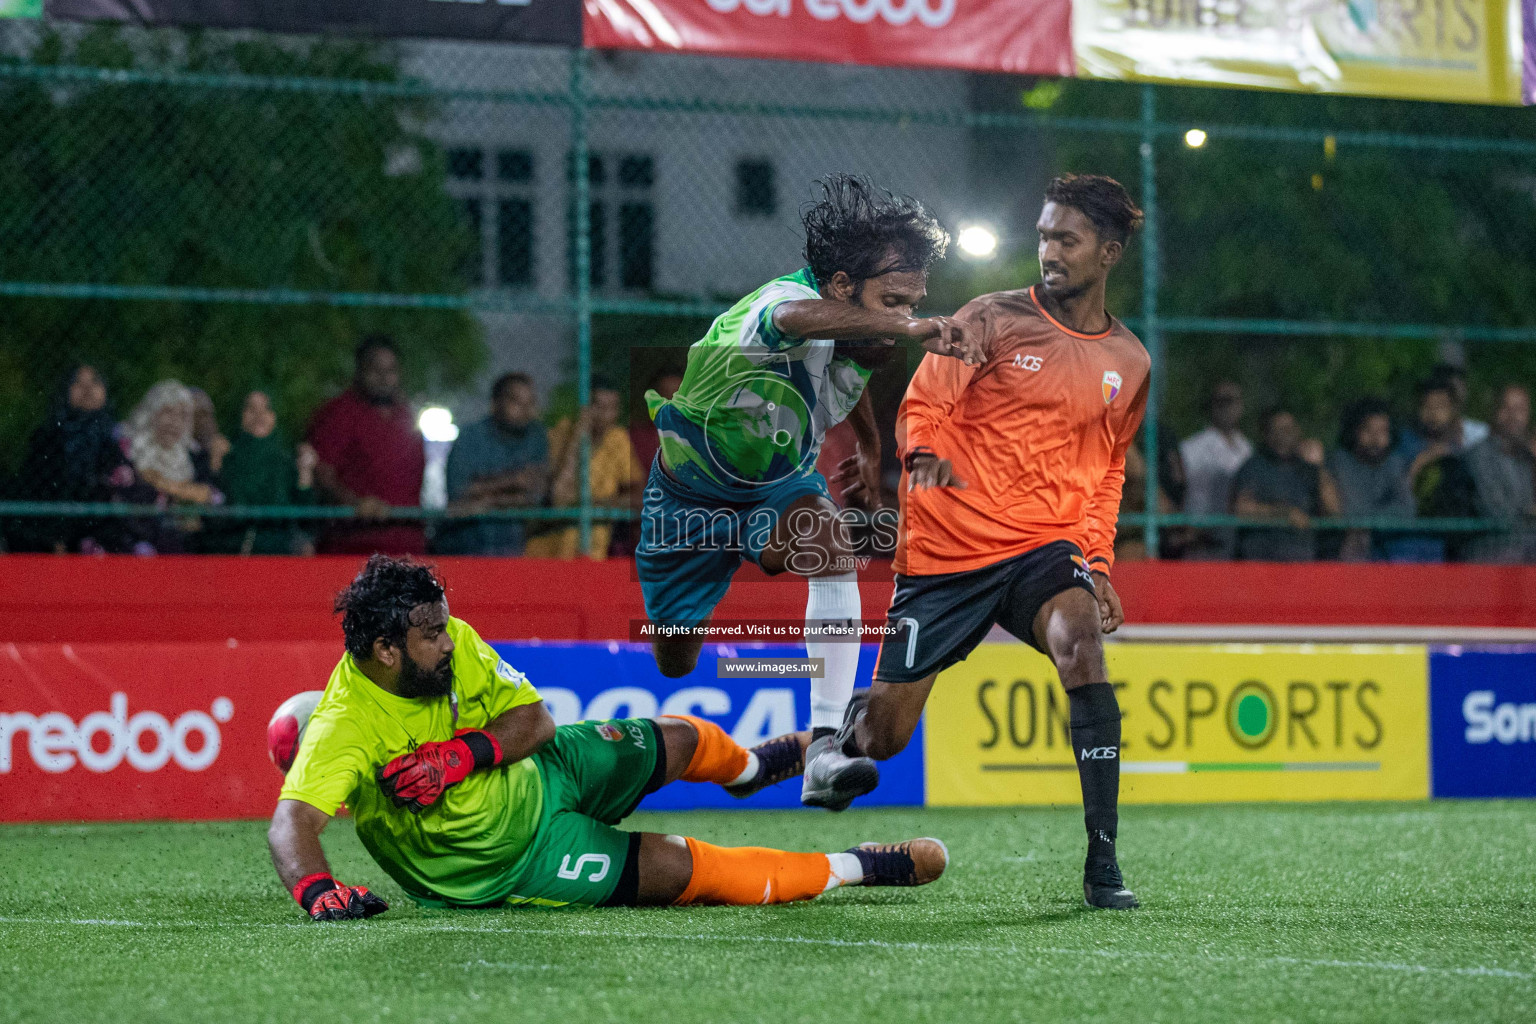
{"x":415,"y":683}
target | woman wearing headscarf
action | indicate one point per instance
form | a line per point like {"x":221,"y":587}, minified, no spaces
{"x":73,"y":456}
{"x":261,"y":469}
{"x":171,"y":469}
{"x":160,"y":446}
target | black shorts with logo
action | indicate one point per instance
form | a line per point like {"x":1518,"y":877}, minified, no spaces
{"x":936,"y":621}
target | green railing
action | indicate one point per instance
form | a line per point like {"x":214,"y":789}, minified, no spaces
{"x":580,"y":103}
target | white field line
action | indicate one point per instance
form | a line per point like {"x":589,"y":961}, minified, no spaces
{"x":934,"y":947}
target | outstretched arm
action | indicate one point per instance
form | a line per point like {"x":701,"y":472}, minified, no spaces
{"x":294,"y":841}
{"x":844,"y":321}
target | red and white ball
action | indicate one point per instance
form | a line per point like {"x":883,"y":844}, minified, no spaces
{"x":286,"y":730}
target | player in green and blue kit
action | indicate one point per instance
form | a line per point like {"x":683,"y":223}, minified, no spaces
{"x":466,"y":793}
{"x":735,"y":476}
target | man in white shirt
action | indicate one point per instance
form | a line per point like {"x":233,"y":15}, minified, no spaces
{"x":1211,"y":457}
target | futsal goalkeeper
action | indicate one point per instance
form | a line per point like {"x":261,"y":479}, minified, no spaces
{"x":466,"y":793}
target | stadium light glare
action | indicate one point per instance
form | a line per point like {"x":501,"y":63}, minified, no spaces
{"x":1194,"y":138}
{"x":978,"y":241}
{"x":437,"y":424}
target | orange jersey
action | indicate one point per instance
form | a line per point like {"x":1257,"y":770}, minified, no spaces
{"x":1038,"y":432}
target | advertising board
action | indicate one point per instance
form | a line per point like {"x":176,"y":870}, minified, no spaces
{"x":1482,"y":707}
{"x":1202,"y":723}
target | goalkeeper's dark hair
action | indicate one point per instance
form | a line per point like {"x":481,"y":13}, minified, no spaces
{"x":378,"y":603}
{"x":865,"y":231}
{"x":1103,"y":200}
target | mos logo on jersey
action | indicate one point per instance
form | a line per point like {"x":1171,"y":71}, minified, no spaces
{"x":1112,"y":382}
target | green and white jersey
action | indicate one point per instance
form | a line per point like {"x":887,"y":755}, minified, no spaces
{"x":755,"y":405}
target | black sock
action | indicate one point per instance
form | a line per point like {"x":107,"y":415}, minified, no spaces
{"x":1096,"y":746}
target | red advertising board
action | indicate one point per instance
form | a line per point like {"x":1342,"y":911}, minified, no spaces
{"x":119,"y":732}
{"x":1032,"y":37}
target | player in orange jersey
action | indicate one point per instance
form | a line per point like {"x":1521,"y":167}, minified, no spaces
{"x":1013,"y":477}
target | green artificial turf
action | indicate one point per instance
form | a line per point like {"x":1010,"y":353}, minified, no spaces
{"x":1327,"y":912}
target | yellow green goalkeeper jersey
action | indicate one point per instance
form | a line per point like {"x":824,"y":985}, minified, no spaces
{"x":462,"y":848}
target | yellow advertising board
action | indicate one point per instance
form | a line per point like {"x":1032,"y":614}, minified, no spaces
{"x":1202,"y":723}
{"x":1466,"y":51}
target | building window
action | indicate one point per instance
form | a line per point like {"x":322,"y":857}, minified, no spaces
{"x":466,"y":164}
{"x":514,"y":243}
{"x":500,"y":212}
{"x":623,"y":221}
{"x":635,"y":245}
{"x":755,"y":193}
{"x":514,"y":166}
{"x":472,"y":266}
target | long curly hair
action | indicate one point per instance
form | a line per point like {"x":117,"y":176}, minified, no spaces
{"x":866,"y":231}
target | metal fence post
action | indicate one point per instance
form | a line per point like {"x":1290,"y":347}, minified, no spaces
{"x":581,"y":183}
{"x":1151,"y":333}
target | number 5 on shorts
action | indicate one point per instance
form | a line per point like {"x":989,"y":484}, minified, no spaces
{"x":571,"y":872}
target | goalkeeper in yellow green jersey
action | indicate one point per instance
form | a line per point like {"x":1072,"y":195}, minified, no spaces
{"x":466,"y":793}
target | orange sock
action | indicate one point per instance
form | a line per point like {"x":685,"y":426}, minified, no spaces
{"x":717,"y":758}
{"x":751,"y":875}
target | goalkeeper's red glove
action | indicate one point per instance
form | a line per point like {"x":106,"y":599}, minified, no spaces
{"x":325,"y":899}
{"x":417,"y":779}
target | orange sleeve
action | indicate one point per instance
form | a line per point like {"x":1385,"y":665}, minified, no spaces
{"x":936,"y":389}
{"x":1104,"y":507}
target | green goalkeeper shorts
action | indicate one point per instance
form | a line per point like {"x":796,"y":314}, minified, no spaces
{"x":594,"y":774}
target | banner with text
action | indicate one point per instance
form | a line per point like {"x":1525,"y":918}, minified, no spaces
{"x":525,"y":21}
{"x":1202,"y":724}
{"x":614,"y":680}
{"x":1019,"y":36}
{"x":1482,"y":708}
{"x":1466,"y":51}
{"x":123,"y":732}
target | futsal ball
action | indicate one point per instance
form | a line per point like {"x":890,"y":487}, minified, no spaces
{"x":286,"y":730}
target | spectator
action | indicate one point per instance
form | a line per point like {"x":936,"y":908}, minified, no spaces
{"x":1438,"y":429}
{"x":160,"y":446}
{"x":1277,"y":483}
{"x":170,"y":468}
{"x":499,"y":462}
{"x":205,"y":431}
{"x":1371,"y":478}
{"x":262,"y":469}
{"x":1211,"y":457}
{"x":1442,"y":486}
{"x":615,"y":475}
{"x":1501,"y":469}
{"x":1472,"y":431}
{"x":372,"y":456}
{"x":642,"y":432}
{"x":1172,"y":489}
{"x":74,"y":456}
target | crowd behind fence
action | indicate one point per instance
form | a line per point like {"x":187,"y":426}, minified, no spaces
{"x":243,"y":210}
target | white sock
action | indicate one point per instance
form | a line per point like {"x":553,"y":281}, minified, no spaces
{"x":845,"y":871}
{"x":833,"y":599}
{"x":748,"y":773}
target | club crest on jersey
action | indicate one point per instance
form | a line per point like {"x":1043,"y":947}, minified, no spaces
{"x":609,"y":731}
{"x":1112,"y":382}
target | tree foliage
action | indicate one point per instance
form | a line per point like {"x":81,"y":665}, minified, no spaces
{"x":1341,"y":231}
{"x":208,"y":186}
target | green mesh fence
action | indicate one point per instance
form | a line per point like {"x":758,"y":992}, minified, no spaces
{"x":240,"y":208}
